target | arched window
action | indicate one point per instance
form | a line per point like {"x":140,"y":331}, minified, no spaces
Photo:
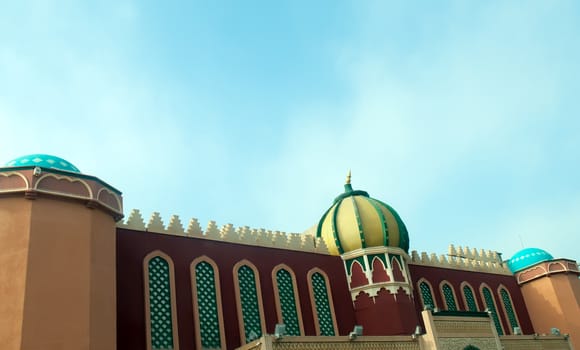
{"x":207,"y":304}
{"x":490,"y":305}
{"x":426,"y":294}
{"x":250,"y":309}
{"x":160,"y":302}
{"x":469,"y":297}
{"x":287,"y":301}
{"x":322,"y":305}
{"x":508,"y":307}
{"x":448,"y":296}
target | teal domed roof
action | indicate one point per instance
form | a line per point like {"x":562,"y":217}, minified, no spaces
{"x":528,"y":257}
{"x":43,"y":161}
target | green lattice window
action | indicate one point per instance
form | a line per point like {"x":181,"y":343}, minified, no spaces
{"x":250,"y":304}
{"x":427,"y":295}
{"x":322,"y":304}
{"x":207,"y":307}
{"x":160,"y":304}
{"x":491,"y":307}
{"x":285,"y":286}
{"x":469,"y":298}
{"x":507,"y":303}
{"x":449,"y":297}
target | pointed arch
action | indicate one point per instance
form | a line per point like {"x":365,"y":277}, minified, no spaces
{"x":426,"y":293}
{"x":322,"y":303}
{"x":398,"y":274}
{"x":249,"y":301}
{"x":508,"y":308}
{"x":469,"y":299}
{"x":160,"y":308}
{"x":448,"y":295}
{"x":357,"y":275}
{"x":287,"y":299}
{"x":491,"y":305}
{"x":207,"y":304}
{"x":379,"y":271}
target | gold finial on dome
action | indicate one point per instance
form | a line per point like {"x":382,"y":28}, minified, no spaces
{"x":348,"y":177}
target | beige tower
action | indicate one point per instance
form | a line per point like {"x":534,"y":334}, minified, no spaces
{"x":551,"y":290}
{"x":57,"y":257}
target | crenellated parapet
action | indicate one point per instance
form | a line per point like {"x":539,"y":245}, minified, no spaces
{"x":463,"y":258}
{"x":226,"y":233}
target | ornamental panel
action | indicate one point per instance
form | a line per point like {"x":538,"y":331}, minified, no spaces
{"x":322,"y":304}
{"x":160,"y":304}
{"x":207,"y":307}
{"x":249,"y":303}
{"x":285,"y":285}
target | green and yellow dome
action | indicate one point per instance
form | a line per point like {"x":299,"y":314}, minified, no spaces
{"x":356,"y":221}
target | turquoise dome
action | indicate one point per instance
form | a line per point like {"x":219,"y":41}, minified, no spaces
{"x":527,"y":257}
{"x":43,"y":161}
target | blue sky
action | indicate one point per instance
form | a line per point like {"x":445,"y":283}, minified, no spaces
{"x":463,"y":116}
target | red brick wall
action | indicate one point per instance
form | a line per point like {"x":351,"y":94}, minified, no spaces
{"x":455,"y":277}
{"x":133,"y":246}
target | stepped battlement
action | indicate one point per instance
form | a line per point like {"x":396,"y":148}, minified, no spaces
{"x":226,"y":233}
{"x":463,"y":258}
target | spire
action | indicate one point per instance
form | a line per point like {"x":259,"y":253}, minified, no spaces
{"x":347,"y":186}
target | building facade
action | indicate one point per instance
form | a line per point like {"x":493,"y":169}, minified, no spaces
{"x":75,"y":275}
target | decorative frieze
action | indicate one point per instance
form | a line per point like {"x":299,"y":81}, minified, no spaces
{"x":227,"y":233}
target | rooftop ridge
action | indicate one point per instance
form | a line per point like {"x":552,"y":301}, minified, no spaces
{"x":463,"y":258}
{"x":227,"y":233}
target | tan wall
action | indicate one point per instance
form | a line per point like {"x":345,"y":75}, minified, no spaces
{"x":552,"y":301}
{"x":70,"y":276}
{"x":529,"y":342}
{"x":14,"y":239}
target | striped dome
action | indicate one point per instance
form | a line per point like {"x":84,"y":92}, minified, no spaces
{"x":528,"y":257}
{"x":43,"y":161}
{"x":356,"y":221}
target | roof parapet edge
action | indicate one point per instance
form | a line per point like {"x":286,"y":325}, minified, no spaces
{"x":227,"y":233}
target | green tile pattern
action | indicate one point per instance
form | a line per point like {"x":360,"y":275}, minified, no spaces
{"x":285,"y":286}
{"x":207,"y":309}
{"x":43,"y":161}
{"x":427,"y":295}
{"x":509,"y":308}
{"x":160,"y":304}
{"x":449,"y":297}
{"x":322,"y":304}
{"x":249,"y":303}
{"x":491,"y":307}
{"x":470,"y":298}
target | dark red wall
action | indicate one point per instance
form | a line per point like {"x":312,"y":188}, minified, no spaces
{"x":386,"y":314}
{"x":133,"y":246}
{"x":455,"y":277}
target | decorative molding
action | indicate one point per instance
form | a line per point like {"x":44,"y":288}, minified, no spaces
{"x":70,"y":180}
{"x":8,"y":175}
{"x":227,"y":233}
{"x":545,"y":268}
